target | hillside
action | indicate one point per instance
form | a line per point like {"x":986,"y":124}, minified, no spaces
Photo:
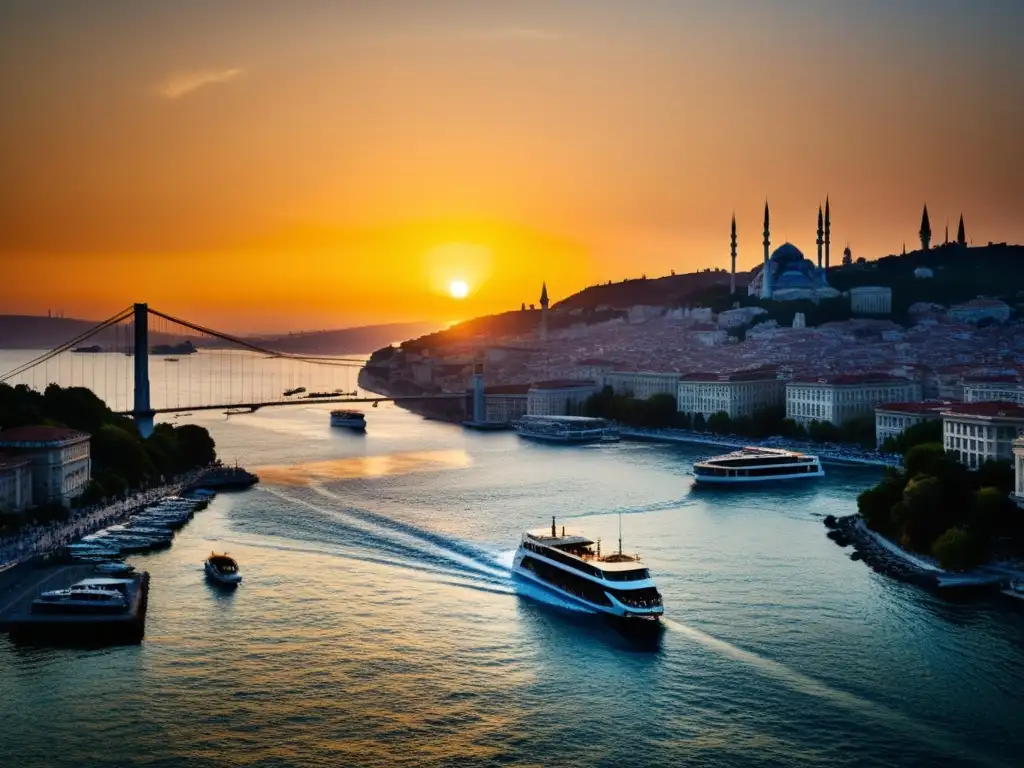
{"x":670,"y":291}
{"x":345,"y":341}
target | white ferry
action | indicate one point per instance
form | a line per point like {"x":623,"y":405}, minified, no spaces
{"x":757,"y":465}
{"x":577,"y":430}
{"x":568,"y":564}
{"x":349,"y":419}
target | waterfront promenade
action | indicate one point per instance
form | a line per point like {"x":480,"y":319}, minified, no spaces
{"x":845,"y":455}
{"x":35,"y":540}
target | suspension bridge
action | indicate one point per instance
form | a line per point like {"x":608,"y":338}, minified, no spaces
{"x":142,"y":362}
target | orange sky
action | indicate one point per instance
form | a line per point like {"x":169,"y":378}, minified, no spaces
{"x":263,"y":165}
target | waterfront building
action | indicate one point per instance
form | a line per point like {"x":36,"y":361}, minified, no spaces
{"x":640,"y":384}
{"x":838,"y":399}
{"x":1007,"y":389}
{"x":871,"y":300}
{"x":891,"y":419}
{"x":560,"y":397}
{"x":1018,"y":471}
{"x":15,"y":483}
{"x":505,"y":404}
{"x":976,"y":432}
{"x":593,"y":368}
{"x":976,"y":310}
{"x":59,"y":459}
{"x":738,"y":394}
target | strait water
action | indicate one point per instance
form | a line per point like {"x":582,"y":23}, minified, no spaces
{"x":378,"y":626}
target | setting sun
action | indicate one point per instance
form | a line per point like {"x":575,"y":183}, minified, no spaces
{"x":458,"y":289}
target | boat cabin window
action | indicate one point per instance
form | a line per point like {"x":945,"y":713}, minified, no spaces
{"x":560,"y":557}
{"x":648,"y":597}
{"x":568,"y":582}
{"x":637,"y":575}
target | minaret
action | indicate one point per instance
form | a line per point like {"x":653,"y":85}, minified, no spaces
{"x":766,"y":273}
{"x":926,"y":230}
{"x":544,"y":312}
{"x":904,"y":247}
{"x":732,"y":275}
{"x":945,"y":240}
{"x":821,"y":234}
{"x":828,"y":231}
{"x":961,"y":236}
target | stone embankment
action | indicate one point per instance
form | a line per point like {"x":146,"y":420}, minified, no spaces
{"x":850,"y":531}
{"x":36,"y":540}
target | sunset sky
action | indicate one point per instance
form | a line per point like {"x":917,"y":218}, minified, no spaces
{"x":259,"y":165}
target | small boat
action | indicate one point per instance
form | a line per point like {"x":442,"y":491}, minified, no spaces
{"x":170,"y":359}
{"x":1014,"y":588}
{"x":570,"y":430}
{"x":222,"y":569}
{"x":349,"y":419}
{"x":104,"y":584}
{"x":106,"y":549}
{"x":114,"y":569}
{"x":296,"y":391}
{"x":82,"y":600}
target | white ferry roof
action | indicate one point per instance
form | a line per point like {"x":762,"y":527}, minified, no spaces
{"x":629,"y":562}
{"x":755,"y":452}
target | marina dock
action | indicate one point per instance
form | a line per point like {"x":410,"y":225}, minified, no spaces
{"x":26,"y":583}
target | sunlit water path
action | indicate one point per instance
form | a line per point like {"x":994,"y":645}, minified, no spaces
{"x":378,"y":624}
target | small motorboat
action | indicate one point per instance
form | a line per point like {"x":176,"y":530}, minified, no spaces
{"x":222,"y":569}
{"x":114,"y":569}
{"x":1014,"y":588}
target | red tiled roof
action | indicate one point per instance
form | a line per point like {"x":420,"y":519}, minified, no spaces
{"x":927,"y":407}
{"x":992,"y":379}
{"x":562,"y":384}
{"x":989,"y":410}
{"x":755,"y":374}
{"x":39,"y":435}
{"x":853,"y":378}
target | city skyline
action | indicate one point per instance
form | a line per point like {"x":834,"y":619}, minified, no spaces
{"x":273,"y":169}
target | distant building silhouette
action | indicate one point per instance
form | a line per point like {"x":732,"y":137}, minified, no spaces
{"x":732,"y":275}
{"x":544,"y":311}
{"x":926,"y":230}
{"x":847,"y":256}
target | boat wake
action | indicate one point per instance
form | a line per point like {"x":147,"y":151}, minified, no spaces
{"x":359,"y":534}
{"x":802,"y":683}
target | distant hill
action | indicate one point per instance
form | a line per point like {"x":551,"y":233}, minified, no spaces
{"x":671,"y":291}
{"x":31,"y":332}
{"x":346,"y":341}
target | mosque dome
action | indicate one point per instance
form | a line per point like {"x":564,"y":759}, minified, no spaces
{"x":785,"y":255}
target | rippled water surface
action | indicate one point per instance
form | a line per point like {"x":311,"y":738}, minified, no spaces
{"x":377,"y":624}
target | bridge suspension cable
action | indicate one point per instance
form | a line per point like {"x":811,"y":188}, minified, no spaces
{"x":42,"y":359}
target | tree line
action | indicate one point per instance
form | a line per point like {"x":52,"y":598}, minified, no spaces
{"x":122,"y":461}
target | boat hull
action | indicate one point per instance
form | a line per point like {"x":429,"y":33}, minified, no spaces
{"x":615,"y":611}
{"x":756,"y":479}
{"x":222,"y":579}
{"x":567,"y":440}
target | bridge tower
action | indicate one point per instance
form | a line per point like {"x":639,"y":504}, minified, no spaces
{"x":479,"y":408}
{"x":142,"y":412}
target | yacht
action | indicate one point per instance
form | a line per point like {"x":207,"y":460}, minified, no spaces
{"x":80,"y":600}
{"x":572,"y":566}
{"x":104,"y":549}
{"x":756,"y":465}
{"x":349,"y":419}
{"x":576,"y":430}
{"x":222,"y":569}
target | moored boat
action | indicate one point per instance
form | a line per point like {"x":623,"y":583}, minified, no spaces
{"x":757,"y":465}
{"x":80,"y":600}
{"x":574,"y":430}
{"x":114,"y":568}
{"x":222,"y":569}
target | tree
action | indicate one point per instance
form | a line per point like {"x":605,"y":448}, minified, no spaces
{"x":997,"y":474}
{"x":699,"y":422}
{"x":196,"y":446}
{"x":719,"y":423}
{"x":875,"y":504}
{"x":919,"y":512}
{"x":823,"y":432}
{"x":926,"y":459}
{"x":114,"y":450}
{"x":927,"y":431}
{"x":957,"y":550}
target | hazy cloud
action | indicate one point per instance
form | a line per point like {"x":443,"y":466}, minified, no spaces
{"x":183,"y":84}
{"x":517,"y":33}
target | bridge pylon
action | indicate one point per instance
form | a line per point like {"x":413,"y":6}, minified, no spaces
{"x":142,"y":412}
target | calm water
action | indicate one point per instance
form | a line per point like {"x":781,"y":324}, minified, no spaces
{"x":377,"y":624}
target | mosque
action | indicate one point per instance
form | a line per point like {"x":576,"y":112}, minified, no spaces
{"x":786,"y":275}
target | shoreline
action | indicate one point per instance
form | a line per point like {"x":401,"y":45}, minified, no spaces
{"x":681,"y":436}
{"x":38,"y":541}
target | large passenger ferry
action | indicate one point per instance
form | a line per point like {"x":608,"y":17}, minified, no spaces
{"x":350,"y":419}
{"x":755,"y":465}
{"x":577,"y":430}
{"x":568,"y":564}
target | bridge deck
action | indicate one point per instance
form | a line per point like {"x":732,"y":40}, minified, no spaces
{"x":302,"y":401}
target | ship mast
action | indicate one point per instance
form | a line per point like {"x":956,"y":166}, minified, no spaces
{"x":620,"y":531}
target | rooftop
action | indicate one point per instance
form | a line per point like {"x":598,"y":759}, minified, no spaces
{"x":22,"y":436}
{"x":563,"y":384}
{"x":751,"y":374}
{"x":507,"y":389}
{"x":848,"y":379}
{"x":8,"y":461}
{"x":989,"y":410}
{"x":927,"y":407}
